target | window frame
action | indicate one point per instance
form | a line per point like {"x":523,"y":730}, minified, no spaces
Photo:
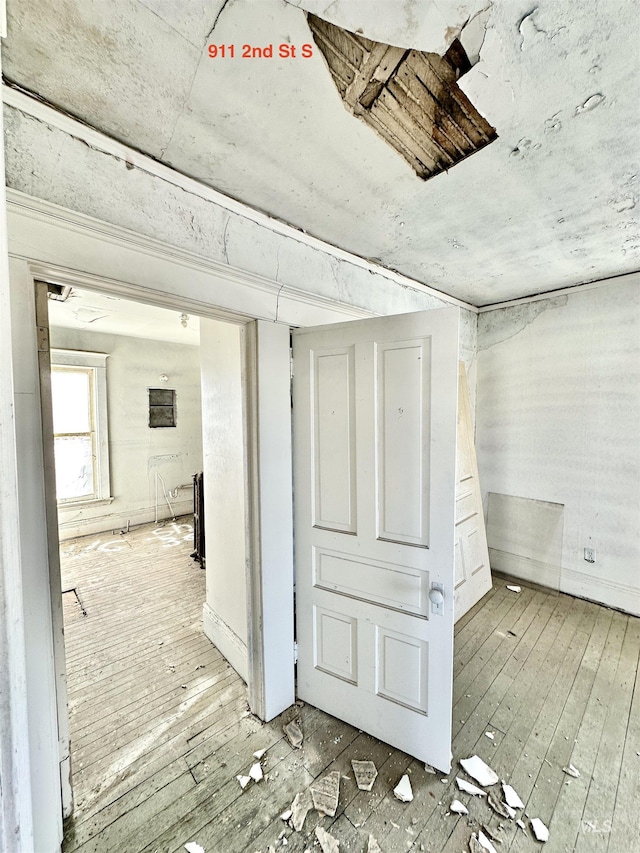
{"x":95,"y":364}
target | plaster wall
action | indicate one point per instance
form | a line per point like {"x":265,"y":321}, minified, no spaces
{"x":225,"y":609}
{"x":137,"y":452}
{"x":557,"y":421}
{"x":52,"y":164}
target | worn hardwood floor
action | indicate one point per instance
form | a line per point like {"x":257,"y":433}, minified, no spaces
{"x":160,"y":726}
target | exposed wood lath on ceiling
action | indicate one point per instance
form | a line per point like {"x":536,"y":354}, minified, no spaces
{"x":409,"y":97}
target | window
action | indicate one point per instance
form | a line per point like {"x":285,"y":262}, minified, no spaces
{"x":78,"y":397}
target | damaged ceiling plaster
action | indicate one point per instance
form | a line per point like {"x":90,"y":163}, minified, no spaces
{"x":552,"y":202}
{"x":410,"y":98}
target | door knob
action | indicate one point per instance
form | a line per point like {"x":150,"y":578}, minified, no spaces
{"x":436,"y":597}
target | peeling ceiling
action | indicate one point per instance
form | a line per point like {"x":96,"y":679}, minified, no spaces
{"x":552,"y":202}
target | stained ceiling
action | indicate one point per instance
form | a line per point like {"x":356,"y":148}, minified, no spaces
{"x":552,"y":202}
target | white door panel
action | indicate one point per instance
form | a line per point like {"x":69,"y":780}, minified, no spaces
{"x":375,"y":406}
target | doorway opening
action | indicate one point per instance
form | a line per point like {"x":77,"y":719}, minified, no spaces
{"x":139,"y":409}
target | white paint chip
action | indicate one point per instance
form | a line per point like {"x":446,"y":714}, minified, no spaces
{"x":539,"y":829}
{"x":244,"y":781}
{"x":485,"y":843}
{"x":403,"y":791}
{"x":571,"y":771}
{"x":478,"y":770}
{"x":458,"y":808}
{"x":192,"y":847}
{"x":511,"y":797}
{"x":328,"y":843}
{"x":514,"y":588}
{"x":256,"y":772}
{"x":373,"y":846}
{"x":468,"y":788}
{"x":490,"y":735}
{"x":259,"y":753}
{"x":286,"y":815}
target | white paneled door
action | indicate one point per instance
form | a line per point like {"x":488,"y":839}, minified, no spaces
{"x":375,"y":405}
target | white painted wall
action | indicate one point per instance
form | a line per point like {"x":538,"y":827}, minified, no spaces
{"x":225,"y":609}
{"x":558,"y":420}
{"x":137,"y":452}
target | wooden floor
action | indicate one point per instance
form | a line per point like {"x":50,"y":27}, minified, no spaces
{"x":160,"y":725}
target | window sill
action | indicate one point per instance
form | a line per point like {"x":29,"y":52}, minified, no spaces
{"x":80,"y":503}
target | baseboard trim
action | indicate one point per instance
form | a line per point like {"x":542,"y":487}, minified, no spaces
{"x":117,"y":520}
{"x":526,"y":568}
{"x":601,"y":590}
{"x":570,"y":581}
{"x":226,"y":641}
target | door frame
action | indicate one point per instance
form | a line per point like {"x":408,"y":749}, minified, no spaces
{"x":50,"y":243}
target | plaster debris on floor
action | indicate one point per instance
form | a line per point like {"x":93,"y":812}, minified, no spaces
{"x":300,"y":808}
{"x":490,"y":735}
{"x":403,"y":791}
{"x":485,"y":842}
{"x":326,"y":793}
{"x":468,"y":788}
{"x":458,"y":808}
{"x":244,"y":781}
{"x":514,"y":588}
{"x":570,"y":770}
{"x":294,"y":734}
{"x":539,"y":829}
{"x":256,"y":772}
{"x":365,"y":773}
{"x":192,"y":847}
{"x":327,"y":842}
{"x":499,"y":807}
{"x":259,"y":753}
{"x":511,"y":797}
{"x":479,"y":770}
{"x":373,"y":846}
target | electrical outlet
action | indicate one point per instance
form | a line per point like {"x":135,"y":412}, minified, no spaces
{"x":590,"y":555}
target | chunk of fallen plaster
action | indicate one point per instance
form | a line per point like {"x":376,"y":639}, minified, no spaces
{"x":468,"y":788}
{"x":328,"y":843}
{"x":403,"y":791}
{"x":373,"y":846}
{"x":429,"y":769}
{"x":192,"y":847}
{"x":571,"y":771}
{"x":499,"y":807}
{"x":539,"y":829}
{"x":286,"y":814}
{"x":458,"y":808}
{"x":511,"y":797}
{"x":325,"y":793}
{"x":259,"y":753}
{"x":244,"y":781}
{"x":256,"y":772}
{"x":365,"y":773}
{"x":521,"y":824}
{"x":474,"y":844}
{"x":478,"y":770}
{"x":485,"y":843}
{"x":294,"y":734}
{"x":490,"y":735}
{"x":514,"y":588}
{"x":300,"y":807}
